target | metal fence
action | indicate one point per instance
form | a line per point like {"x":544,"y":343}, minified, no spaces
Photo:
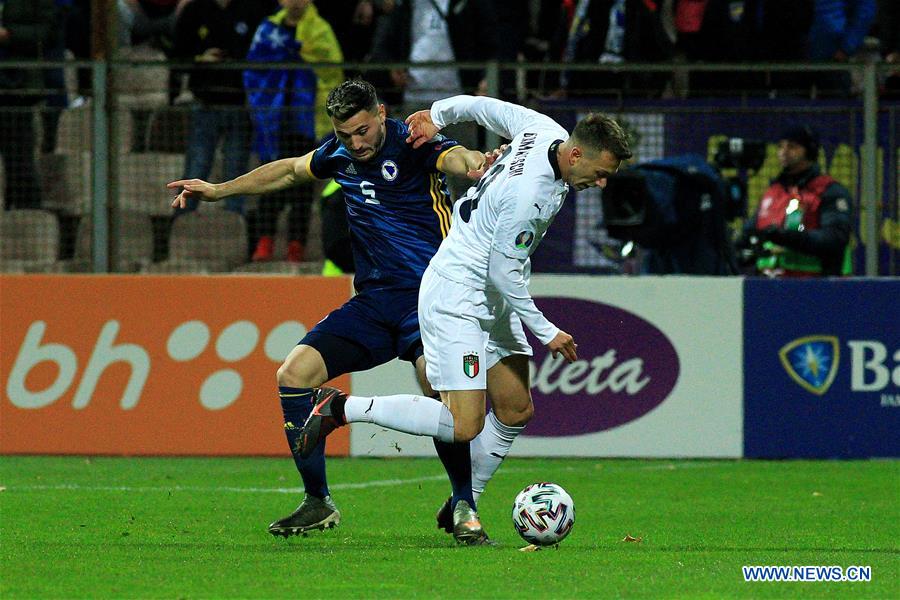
{"x":85,"y":167}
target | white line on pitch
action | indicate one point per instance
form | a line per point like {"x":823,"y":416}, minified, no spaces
{"x":337,"y":486}
{"x":194,"y":488}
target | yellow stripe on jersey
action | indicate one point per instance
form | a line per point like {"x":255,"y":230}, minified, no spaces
{"x":442,"y":155}
{"x":308,"y":165}
{"x":439,"y":204}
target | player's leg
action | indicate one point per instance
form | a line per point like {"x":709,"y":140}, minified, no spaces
{"x":452,"y":363}
{"x":302,"y":370}
{"x":509,"y":388}
{"x":325,"y":352}
{"x":454,"y":345}
{"x":511,"y":409}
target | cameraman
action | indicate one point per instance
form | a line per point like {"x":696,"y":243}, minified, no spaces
{"x":802,"y":227}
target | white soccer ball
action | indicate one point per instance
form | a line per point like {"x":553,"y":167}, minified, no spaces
{"x":543,"y":514}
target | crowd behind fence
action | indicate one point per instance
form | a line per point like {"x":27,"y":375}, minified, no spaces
{"x":83,"y":185}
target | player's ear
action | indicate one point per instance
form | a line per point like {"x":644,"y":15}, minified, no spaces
{"x":575,"y":155}
{"x":382,"y":113}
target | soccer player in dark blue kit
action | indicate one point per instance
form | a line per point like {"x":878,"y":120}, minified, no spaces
{"x":399,"y":211}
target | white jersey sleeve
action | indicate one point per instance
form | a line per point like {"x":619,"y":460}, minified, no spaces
{"x":503,"y":118}
{"x":519,"y":229}
{"x":509,"y":278}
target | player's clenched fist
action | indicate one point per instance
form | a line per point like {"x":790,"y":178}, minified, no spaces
{"x":564,"y":344}
{"x":192,"y":188}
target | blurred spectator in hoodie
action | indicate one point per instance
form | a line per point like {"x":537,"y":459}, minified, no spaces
{"x":837,"y":33}
{"x":288,"y":110}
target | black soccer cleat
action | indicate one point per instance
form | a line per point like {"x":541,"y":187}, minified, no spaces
{"x":313,"y":513}
{"x":444,"y":517}
{"x":326,"y":416}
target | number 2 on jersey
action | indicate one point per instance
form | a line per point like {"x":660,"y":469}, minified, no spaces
{"x":470,"y":204}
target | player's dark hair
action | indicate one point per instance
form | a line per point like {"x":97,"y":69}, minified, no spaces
{"x":350,"y":97}
{"x":600,"y":132}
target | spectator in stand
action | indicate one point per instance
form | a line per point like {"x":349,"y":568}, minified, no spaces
{"x":288,"y":110}
{"x":889,"y":34}
{"x":78,"y":41}
{"x":28,"y":30}
{"x":150,"y":21}
{"x":613,"y":32}
{"x":55,"y":82}
{"x":837,"y":33}
{"x":446,"y":31}
{"x":214,"y":32}
{"x":353,"y":22}
{"x":548,"y":25}
{"x":740,"y":31}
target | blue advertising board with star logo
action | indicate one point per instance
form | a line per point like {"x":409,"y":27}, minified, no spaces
{"x":821,"y":368}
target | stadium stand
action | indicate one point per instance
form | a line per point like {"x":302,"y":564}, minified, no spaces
{"x":29,"y":240}
{"x":208,"y":240}
{"x":134,"y":249}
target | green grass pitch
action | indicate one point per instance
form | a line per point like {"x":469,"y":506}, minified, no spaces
{"x":75,"y":527}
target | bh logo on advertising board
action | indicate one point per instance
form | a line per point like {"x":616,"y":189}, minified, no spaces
{"x":151,"y":365}
{"x":626,"y":367}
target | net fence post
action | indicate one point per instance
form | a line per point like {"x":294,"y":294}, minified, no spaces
{"x":100,"y":170}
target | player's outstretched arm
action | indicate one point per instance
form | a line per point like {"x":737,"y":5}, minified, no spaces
{"x":268,"y":178}
{"x":463,"y":162}
{"x":503,"y":118}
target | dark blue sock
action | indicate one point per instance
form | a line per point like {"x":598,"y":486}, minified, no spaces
{"x":458,"y":462}
{"x":296,"y":404}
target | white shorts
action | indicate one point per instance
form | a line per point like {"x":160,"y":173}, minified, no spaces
{"x":465,"y":332}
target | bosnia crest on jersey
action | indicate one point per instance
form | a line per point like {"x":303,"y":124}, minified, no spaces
{"x":389,"y":170}
{"x":470,"y":365}
{"x":812,"y":361}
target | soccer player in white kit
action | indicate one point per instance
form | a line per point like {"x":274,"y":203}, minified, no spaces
{"x":474,"y":295}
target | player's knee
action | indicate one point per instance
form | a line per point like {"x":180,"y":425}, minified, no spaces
{"x":466,"y":430}
{"x":520,"y":417}
{"x":517,"y":415}
{"x":293,"y":374}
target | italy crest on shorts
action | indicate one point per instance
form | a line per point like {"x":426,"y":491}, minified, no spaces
{"x":470,"y":365}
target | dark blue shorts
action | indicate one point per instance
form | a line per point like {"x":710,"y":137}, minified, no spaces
{"x":370,"y":329}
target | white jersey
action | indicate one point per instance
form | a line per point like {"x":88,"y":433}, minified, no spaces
{"x":500,"y":221}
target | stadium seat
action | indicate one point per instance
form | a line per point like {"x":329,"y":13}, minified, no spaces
{"x":141,"y":86}
{"x":168,"y":130}
{"x":65,"y":182}
{"x":134,"y":233}
{"x":143,"y":178}
{"x":29,"y":240}
{"x":75,"y":133}
{"x":208,"y":240}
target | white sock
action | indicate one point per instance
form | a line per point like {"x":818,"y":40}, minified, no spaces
{"x":409,"y":413}
{"x":488,"y":451}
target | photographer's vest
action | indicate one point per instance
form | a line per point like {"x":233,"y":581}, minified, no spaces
{"x":774,"y":211}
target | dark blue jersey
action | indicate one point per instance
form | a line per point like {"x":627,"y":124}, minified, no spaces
{"x":398,"y":207}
